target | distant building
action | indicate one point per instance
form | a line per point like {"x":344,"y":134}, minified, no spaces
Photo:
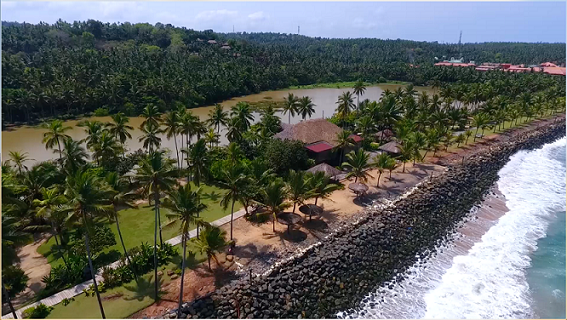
{"x":212,"y":42}
{"x":319,"y":137}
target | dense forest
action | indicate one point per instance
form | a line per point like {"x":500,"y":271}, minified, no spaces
{"x":69,"y":69}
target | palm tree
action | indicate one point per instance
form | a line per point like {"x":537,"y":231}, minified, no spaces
{"x":152,"y":116}
{"x":185,"y":206}
{"x":45,"y":209}
{"x":290,"y":106}
{"x":212,"y":137}
{"x":468,"y":134}
{"x":171,"y":123}
{"x":217,"y":117}
{"x":120,"y":127}
{"x":358,"y":163}
{"x":381,"y":164}
{"x":392,"y":164}
{"x":433,"y":138}
{"x":460,"y":139}
{"x":19,"y":159}
{"x":7,"y":295}
{"x":88,"y":196}
{"x":406,"y":152}
{"x":156,"y":174}
{"x":150,"y":137}
{"x":211,"y":240}
{"x":187,"y":127}
{"x":120,"y":197}
{"x":305,"y":107}
{"x":197,"y":161}
{"x":235,"y":181}
{"x":344,"y":140}
{"x":345,"y":105}
{"x":107,"y":148}
{"x":320,"y":186}
{"x":73,"y":155}
{"x":234,"y":133}
{"x":359,"y":89}
{"x":274,"y":196}
{"x":55,"y":134}
{"x":93,"y":129}
{"x":243,"y":115}
{"x":480,"y":120}
{"x":297,"y":187}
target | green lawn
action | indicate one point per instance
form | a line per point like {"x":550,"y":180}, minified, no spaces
{"x":123,"y":301}
{"x":137,"y":224}
{"x":347,"y":84}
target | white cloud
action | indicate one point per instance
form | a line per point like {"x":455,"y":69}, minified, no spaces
{"x":8,"y":4}
{"x":258,"y":16}
{"x":212,"y":15}
{"x":363,"y":24}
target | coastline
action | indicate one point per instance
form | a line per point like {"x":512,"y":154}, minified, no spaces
{"x":338,"y":269}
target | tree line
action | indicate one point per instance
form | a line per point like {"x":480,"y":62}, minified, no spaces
{"x":66,"y":70}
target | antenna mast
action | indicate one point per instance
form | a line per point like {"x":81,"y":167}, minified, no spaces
{"x":297,"y":29}
{"x":460,"y":44}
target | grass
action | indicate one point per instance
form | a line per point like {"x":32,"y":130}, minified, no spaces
{"x":137,"y":225}
{"x":347,"y":84}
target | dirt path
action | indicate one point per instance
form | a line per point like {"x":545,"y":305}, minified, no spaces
{"x":35,"y":266}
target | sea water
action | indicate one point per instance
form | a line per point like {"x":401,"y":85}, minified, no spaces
{"x":515,"y":270}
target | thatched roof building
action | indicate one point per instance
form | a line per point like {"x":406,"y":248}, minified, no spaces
{"x":329,"y":171}
{"x":391,"y":147}
{"x":311,"y":131}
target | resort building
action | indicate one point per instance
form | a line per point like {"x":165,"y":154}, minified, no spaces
{"x":319,"y":137}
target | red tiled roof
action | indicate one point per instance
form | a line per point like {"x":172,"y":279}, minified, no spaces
{"x":548,"y":64}
{"x":555,"y":71}
{"x":319,"y":146}
{"x":355,"y":138}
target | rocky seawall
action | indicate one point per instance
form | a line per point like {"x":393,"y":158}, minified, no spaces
{"x":336,"y":275}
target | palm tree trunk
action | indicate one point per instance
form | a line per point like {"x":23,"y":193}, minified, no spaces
{"x":274,"y":223}
{"x":124,"y":248}
{"x":475,"y":133}
{"x":93,"y":271}
{"x":184,"y":240}
{"x":231,"y":217}
{"x":159,"y":222}
{"x":378,"y":182}
{"x":176,"y":150}
{"x":404,"y":167}
{"x":155,"y":246}
{"x":294,"y":204}
{"x":60,"y":158}
{"x":316,"y":198}
{"x":5,"y":292}
{"x":289,"y":118}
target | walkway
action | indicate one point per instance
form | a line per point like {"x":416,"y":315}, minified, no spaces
{"x":78,"y":289}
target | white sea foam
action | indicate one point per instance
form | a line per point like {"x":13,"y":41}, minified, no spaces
{"x":487,"y":281}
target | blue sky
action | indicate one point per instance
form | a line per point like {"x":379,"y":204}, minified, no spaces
{"x":423,"y":21}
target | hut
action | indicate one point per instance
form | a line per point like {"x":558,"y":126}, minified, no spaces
{"x":212,"y":42}
{"x":329,"y":171}
{"x":392,"y":147}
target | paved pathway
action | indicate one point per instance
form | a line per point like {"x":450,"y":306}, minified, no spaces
{"x":78,"y":289}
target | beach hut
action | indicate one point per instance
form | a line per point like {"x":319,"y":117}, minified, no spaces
{"x":392,"y":147}
{"x":329,"y":170}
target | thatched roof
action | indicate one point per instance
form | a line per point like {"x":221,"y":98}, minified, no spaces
{"x":288,"y":218}
{"x":358,"y":187}
{"x":390,"y":147}
{"x":330,"y":171}
{"x":311,"y":131}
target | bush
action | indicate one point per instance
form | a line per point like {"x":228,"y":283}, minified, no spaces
{"x":14,"y":279}
{"x":66,"y":301}
{"x":41,"y":311}
{"x":101,"y":238}
{"x":101,"y":112}
{"x":65,"y":276}
{"x":282,"y":155}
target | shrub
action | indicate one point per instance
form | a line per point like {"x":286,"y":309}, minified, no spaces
{"x":66,"y":301}
{"x":41,"y":311}
{"x":101,"y":238}
{"x":282,"y":155}
{"x":101,"y":112}
{"x":14,"y":279}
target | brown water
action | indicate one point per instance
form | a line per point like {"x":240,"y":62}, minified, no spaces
{"x":28,"y":139}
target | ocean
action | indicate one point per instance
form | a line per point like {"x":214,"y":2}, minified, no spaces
{"x":506,"y":261}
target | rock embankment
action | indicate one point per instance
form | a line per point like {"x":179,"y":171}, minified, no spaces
{"x":337,"y":274}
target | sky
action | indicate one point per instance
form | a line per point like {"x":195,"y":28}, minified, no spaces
{"x":421,"y":21}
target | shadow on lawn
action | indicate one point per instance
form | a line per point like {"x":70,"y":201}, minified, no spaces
{"x":144,"y":288}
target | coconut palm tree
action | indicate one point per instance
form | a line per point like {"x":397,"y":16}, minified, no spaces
{"x":55,"y":134}
{"x":212,"y":137}
{"x":107,"y":148}
{"x":381,"y":163}
{"x":320,"y":186}
{"x":358,"y":89}
{"x":120,"y":197}
{"x":234,"y":181}
{"x":197,"y":161}
{"x":88,"y":196}
{"x":185,"y":206}
{"x":156,"y":174}
{"x":297,"y":187}
{"x":433,"y":138}
{"x":406,"y":153}
{"x":150,"y":138}
{"x":7,"y":295}
{"x":290,"y":106}
{"x":460,"y":139}
{"x":345,"y":105}
{"x":211,"y":240}
{"x":171,"y":123}
{"x":152,"y":116}
{"x":120,"y":127}
{"x":218,"y":117}
{"x":45,"y":209}
{"x":234,"y":133}
{"x":93,"y":129}
{"x":273,"y":197}
{"x":344,"y":140}
{"x":391,"y":166}
{"x":480,"y":120}
{"x":19,"y":159}
{"x":357,"y":162}
{"x":468,"y":134}
{"x":73,"y":155}
{"x":305,"y":107}
{"x":243,"y":115}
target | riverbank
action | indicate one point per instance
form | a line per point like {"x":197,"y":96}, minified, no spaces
{"x":336,"y":274}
